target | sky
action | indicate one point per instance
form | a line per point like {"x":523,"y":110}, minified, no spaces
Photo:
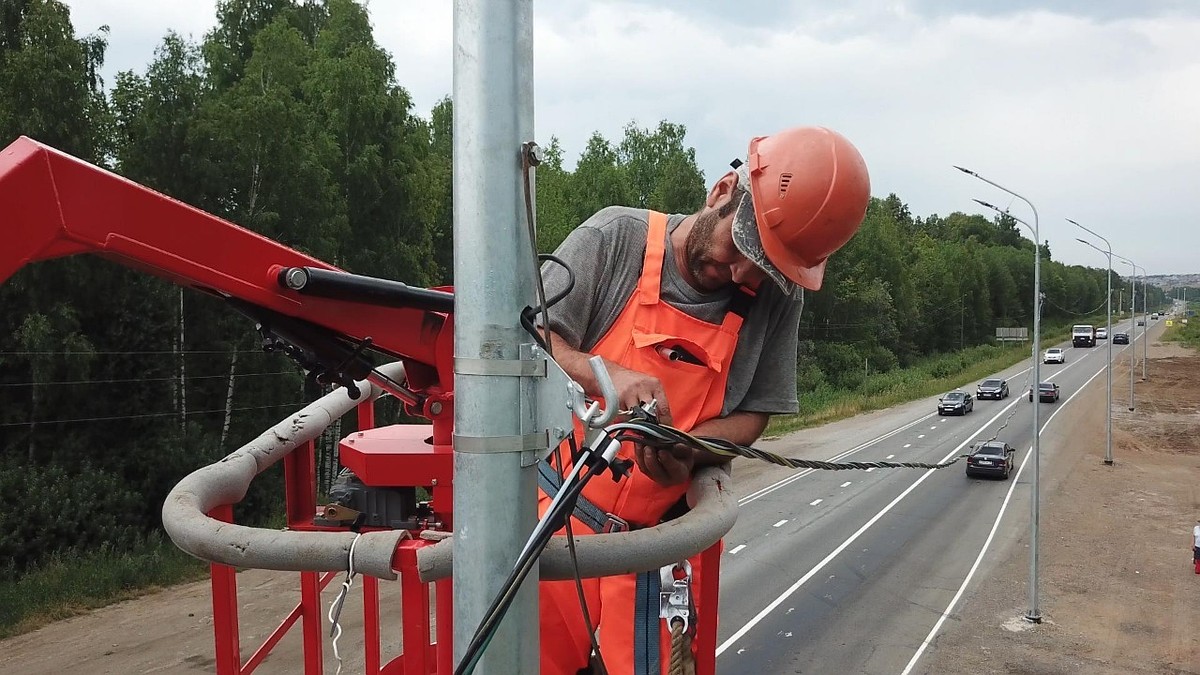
{"x":1090,"y":109}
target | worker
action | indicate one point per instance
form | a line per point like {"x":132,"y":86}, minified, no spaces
{"x":699,"y":314}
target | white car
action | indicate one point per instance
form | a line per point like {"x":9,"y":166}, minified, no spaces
{"x":1055,"y":355}
{"x":1101,"y":333}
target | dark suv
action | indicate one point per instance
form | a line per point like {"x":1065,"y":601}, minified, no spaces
{"x":992,"y":388}
{"x":1120,"y":338}
{"x":991,"y":458}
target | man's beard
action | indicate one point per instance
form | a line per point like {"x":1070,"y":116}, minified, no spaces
{"x":698,"y":243}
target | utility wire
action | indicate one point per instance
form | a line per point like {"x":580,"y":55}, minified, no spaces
{"x":148,"y":379}
{"x":135,"y":353}
{"x":147,"y":415}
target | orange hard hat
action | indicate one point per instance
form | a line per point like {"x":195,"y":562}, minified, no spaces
{"x":809,"y":191}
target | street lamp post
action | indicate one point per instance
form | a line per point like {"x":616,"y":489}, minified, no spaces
{"x":1146,"y":322}
{"x":1145,"y":317}
{"x":1108,"y":456}
{"x":1033,"y":614}
{"x":1132,"y":324}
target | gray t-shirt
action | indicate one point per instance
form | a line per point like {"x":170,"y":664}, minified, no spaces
{"x":606,"y":254}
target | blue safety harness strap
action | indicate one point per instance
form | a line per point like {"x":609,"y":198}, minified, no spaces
{"x":646,"y":625}
{"x":590,"y":514}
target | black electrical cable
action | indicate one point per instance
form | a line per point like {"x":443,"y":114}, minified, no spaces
{"x":528,"y":161}
{"x":529,"y":314}
{"x":521,"y":568}
{"x":583,"y":605}
{"x":570,"y":278}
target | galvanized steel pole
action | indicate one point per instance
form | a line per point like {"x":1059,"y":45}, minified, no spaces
{"x":1108,"y":455}
{"x":1033,"y":614}
{"x":495,"y":476}
{"x":1145,"y":322}
{"x":1132,"y":326}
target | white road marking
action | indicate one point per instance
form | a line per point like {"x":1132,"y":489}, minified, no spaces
{"x":735,"y":549}
{"x":741,"y":632}
{"x":780,"y":523}
{"x":933,"y":427}
{"x":889,"y":457}
{"x":870,"y":469}
{"x":920,"y":435}
{"x":797,"y":476}
{"x":988,"y":542}
{"x":908,"y":445}
{"x":816,"y":501}
{"x":846,"y":484}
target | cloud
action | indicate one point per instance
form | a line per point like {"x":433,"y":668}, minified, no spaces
{"x":1086,"y":108}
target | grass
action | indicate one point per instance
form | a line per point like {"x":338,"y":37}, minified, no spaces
{"x":1187,"y":334}
{"x":929,"y":377}
{"x":74,"y":583}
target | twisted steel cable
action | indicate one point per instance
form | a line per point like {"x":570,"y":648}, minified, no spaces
{"x":653,"y":434}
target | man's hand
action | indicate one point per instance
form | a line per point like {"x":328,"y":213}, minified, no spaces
{"x":666,"y":467}
{"x":635,"y":388}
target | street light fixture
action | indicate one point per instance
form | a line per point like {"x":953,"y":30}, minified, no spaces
{"x":1108,"y":456}
{"x":1032,"y":615}
{"x":1132,"y":324}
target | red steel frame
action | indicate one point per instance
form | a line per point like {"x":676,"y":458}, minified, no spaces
{"x":420,"y":656}
{"x":57,"y":205}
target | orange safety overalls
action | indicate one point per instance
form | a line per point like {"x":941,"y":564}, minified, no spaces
{"x":696,"y":393}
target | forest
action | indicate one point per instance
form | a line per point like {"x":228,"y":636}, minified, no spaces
{"x":289,"y":119}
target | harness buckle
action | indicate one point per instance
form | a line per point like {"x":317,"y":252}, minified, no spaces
{"x":613,"y":524}
{"x":675,"y":595}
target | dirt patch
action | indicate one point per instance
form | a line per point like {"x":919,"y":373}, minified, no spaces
{"x":1117,"y":591}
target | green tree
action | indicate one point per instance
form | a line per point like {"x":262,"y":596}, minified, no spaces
{"x":661,"y":173}
{"x":555,"y":216}
{"x":440,"y":171}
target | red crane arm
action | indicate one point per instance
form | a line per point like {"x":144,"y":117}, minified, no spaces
{"x":57,"y":205}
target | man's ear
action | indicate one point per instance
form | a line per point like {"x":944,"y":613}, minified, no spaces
{"x":722,"y":191}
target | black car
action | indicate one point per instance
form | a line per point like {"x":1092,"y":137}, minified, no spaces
{"x":955,"y":403}
{"x":1120,"y":338}
{"x":1048,"y":392}
{"x":991,"y":458}
{"x":992,"y":388}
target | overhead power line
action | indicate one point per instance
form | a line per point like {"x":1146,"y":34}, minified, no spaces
{"x":147,"y":415}
{"x":150,"y":379}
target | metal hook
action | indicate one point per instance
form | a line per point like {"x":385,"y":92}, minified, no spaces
{"x":591,"y":414}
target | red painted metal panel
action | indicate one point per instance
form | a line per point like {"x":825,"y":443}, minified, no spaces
{"x":706,"y":623}
{"x":397,"y":455}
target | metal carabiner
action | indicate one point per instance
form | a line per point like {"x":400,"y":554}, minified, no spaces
{"x":675,"y":595}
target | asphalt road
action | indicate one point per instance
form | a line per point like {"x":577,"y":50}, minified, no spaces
{"x":855,"y":571}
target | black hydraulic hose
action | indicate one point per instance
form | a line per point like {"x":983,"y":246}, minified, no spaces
{"x":337,"y":285}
